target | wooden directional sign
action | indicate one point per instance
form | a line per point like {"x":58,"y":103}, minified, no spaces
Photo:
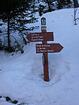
{"x":41,"y":36}
{"x":48,"y":48}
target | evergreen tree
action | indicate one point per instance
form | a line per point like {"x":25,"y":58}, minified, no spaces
{"x":49,"y":5}
{"x":10,"y":9}
{"x":76,"y":3}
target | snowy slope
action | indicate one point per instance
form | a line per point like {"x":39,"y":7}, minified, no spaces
{"x":21,"y":75}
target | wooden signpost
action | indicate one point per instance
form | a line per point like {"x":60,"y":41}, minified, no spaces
{"x":44,"y":48}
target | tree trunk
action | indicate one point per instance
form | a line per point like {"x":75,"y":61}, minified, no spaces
{"x":68,"y":1}
{"x":49,"y":5}
{"x":75,"y":3}
{"x":8,"y":31}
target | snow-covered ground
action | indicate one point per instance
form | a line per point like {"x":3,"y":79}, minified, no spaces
{"x":21,"y":75}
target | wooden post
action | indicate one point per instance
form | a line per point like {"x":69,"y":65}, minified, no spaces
{"x":45,"y":55}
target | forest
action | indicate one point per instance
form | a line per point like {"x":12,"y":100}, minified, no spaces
{"x":15,"y":14}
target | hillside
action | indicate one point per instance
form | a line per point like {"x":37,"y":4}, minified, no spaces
{"x":21,"y":75}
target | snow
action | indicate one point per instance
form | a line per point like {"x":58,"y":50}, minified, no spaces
{"x":21,"y":75}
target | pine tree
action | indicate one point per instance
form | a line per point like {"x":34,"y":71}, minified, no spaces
{"x":76,"y":3}
{"x":10,"y":9}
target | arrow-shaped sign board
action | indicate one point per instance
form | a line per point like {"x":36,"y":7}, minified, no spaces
{"x":48,"y":48}
{"x":40,"y":36}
